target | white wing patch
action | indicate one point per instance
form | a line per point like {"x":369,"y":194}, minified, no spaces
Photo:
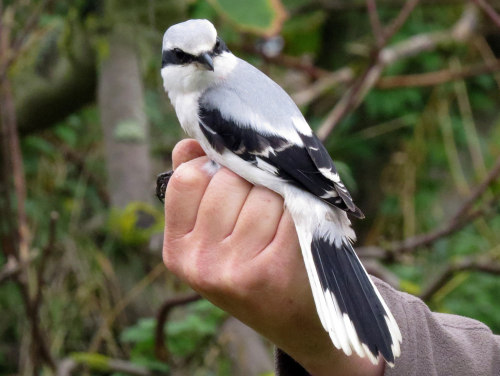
{"x":301,"y":125}
{"x":329,"y":174}
{"x":263,"y":165}
{"x":330,"y":194}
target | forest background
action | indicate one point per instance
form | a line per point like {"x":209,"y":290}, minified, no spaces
{"x":405,"y":95}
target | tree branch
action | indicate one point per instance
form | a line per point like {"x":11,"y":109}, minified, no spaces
{"x":485,"y":266}
{"x":489,"y":10}
{"x":290,"y":62}
{"x":378,"y":32}
{"x":438,"y":77}
{"x":461,"y":31}
{"x":161,"y":349}
{"x":9,"y":50}
{"x":478,"y":191}
{"x":400,"y":19}
{"x":11,"y":269}
{"x":462,"y":217}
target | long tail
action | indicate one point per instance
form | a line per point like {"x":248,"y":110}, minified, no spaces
{"x":349,"y":305}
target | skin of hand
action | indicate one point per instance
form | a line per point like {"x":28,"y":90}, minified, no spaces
{"x":236,"y":245}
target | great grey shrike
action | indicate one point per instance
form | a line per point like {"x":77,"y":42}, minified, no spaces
{"x":246,"y":122}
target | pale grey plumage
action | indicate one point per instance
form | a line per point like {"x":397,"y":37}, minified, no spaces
{"x":235,"y":98}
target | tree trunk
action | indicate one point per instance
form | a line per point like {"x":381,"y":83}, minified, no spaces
{"x":246,"y":349}
{"x":121,"y":105}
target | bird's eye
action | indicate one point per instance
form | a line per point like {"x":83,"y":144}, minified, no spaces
{"x":181,"y":56}
{"x":219,"y":46}
{"x":179,"y":53}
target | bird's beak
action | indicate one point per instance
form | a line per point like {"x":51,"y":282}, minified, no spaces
{"x":206,"y":60}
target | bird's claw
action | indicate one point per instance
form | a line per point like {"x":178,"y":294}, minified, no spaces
{"x":161,"y":184}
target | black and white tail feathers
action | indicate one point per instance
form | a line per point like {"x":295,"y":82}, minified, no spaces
{"x":349,"y":305}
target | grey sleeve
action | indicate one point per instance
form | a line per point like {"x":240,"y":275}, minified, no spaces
{"x":433,"y":343}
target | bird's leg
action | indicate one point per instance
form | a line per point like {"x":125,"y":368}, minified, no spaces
{"x":161,"y":184}
{"x":211,"y":167}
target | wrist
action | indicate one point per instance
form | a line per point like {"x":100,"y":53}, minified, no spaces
{"x":320,"y":358}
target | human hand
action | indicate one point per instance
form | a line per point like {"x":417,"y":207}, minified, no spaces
{"x":236,"y":245}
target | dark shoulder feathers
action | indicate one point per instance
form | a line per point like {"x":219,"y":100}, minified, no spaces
{"x":308,"y":167}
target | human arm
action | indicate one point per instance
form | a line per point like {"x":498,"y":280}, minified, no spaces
{"x":235,"y":245}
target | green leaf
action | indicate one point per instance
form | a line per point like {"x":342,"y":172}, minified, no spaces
{"x":93,"y":360}
{"x":143,"y":331}
{"x":302,"y":33}
{"x":262,"y":17}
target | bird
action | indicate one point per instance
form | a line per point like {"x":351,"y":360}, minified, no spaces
{"x":246,"y":122}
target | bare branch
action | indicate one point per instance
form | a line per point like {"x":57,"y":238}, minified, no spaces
{"x":462,"y":217}
{"x":400,"y":19}
{"x":478,"y":191}
{"x":375,"y":268}
{"x":438,"y":77}
{"x":485,"y":266}
{"x":351,"y":99}
{"x":489,"y":10}
{"x":322,"y":85}
{"x":289,"y":61}
{"x":39,"y":347}
{"x":461,"y":31}
{"x":10,"y":269}
{"x":424,"y":240}
{"x":161,"y":350}
{"x":378,"y":32}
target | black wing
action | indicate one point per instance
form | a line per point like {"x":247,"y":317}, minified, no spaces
{"x":308,"y":167}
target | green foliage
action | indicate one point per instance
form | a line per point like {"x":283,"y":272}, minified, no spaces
{"x":258,"y":16}
{"x":380,"y":104}
{"x":94,"y":361}
{"x":408,"y":164}
{"x":302,"y":33}
{"x":136,"y":223}
{"x":186,"y":336}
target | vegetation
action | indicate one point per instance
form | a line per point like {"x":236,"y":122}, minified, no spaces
{"x":404,"y":95}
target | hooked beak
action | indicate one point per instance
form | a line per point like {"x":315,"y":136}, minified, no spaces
{"x":206,"y":60}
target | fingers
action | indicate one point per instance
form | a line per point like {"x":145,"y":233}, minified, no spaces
{"x":286,"y":235}
{"x":221,"y":204}
{"x":186,"y":150}
{"x":183,"y":196}
{"x":258,"y":220}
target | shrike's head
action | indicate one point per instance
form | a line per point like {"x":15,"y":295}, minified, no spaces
{"x":193,"y":55}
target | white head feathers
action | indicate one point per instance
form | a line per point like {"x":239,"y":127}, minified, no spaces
{"x":192,"y":37}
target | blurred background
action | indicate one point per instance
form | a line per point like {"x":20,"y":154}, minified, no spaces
{"x":405,"y":94}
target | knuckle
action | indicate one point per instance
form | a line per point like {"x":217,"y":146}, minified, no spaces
{"x":236,"y":280}
{"x":200,"y":274}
